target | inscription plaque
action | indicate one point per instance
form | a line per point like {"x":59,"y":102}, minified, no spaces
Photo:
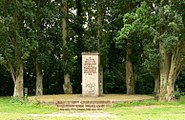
{"x":90,"y":66}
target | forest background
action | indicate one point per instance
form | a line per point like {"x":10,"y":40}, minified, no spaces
{"x":141,"y":43}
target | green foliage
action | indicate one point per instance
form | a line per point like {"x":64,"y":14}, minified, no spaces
{"x":180,"y":83}
{"x":5,"y":82}
{"x":172,"y":24}
{"x":39,"y":38}
{"x":177,"y":93}
{"x":1,"y":59}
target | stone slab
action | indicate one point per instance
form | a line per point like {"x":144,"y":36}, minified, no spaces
{"x":90,"y":74}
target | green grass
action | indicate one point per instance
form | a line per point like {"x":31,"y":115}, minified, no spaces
{"x":15,"y":109}
{"x":150,"y":110}
{"x":12,"y":105}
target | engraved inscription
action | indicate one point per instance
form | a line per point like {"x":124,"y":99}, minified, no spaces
{"x":90,"y":66}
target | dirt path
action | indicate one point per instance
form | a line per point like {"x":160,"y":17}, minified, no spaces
{"x":91,"y":115}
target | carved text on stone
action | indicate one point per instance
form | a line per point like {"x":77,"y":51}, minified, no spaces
{"x":90,"y":66}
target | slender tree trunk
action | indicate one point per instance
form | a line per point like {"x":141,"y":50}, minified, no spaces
{"x":39,"y":79}
{"x":100,"y":39}
{"x":100,"y":24}
{"x":18,"y":84}
{"x":19,"y":68}
{"x":130,"y":79}
{"x":67,"y":83}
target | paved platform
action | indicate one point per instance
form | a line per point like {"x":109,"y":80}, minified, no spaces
{"x":77,"y":102}
{"x":106,"y":97}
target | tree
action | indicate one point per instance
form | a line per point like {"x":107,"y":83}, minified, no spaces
{"x":164,"y":27}
{"x":132,"y":47}
{"x":100,"y":22}
{"x":67,"y":83}
{"x":34,"y":42}
{"x":11,"y":45}
{"x":170,"y":28}
{"x":37,"y":21}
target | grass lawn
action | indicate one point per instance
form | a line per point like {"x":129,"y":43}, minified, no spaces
{"x":14,"y":109}
{"x":150,"y":110}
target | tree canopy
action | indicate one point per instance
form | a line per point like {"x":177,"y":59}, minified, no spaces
{"x":141,"y":43}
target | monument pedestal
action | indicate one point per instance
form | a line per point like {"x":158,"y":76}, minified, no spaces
{"x":91,"y":86}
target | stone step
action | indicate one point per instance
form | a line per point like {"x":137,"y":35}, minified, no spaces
{"x":84,"y":102}
{"x":83,"y":105}
{"x":81,"y":108}
{"x":96,"y":102}
{"x":68,"y":102}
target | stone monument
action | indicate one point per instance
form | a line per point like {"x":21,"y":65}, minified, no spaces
{"x":91,"y":86}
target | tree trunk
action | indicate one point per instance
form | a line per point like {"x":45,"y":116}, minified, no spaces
{"x":17,"y":75}
{"x":19,"y":68}
{"x":67,"y":86}
{"x":18,"y":84}
{"x":100,"y":24}
{"x":176,"y":61}
{"x":39,"y":79}
{"x":164,"y":72}
{"x":170,"y":65}
{"x":99,"y":36}
{"x":156,"y":87}
{"x":130,"y":79}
